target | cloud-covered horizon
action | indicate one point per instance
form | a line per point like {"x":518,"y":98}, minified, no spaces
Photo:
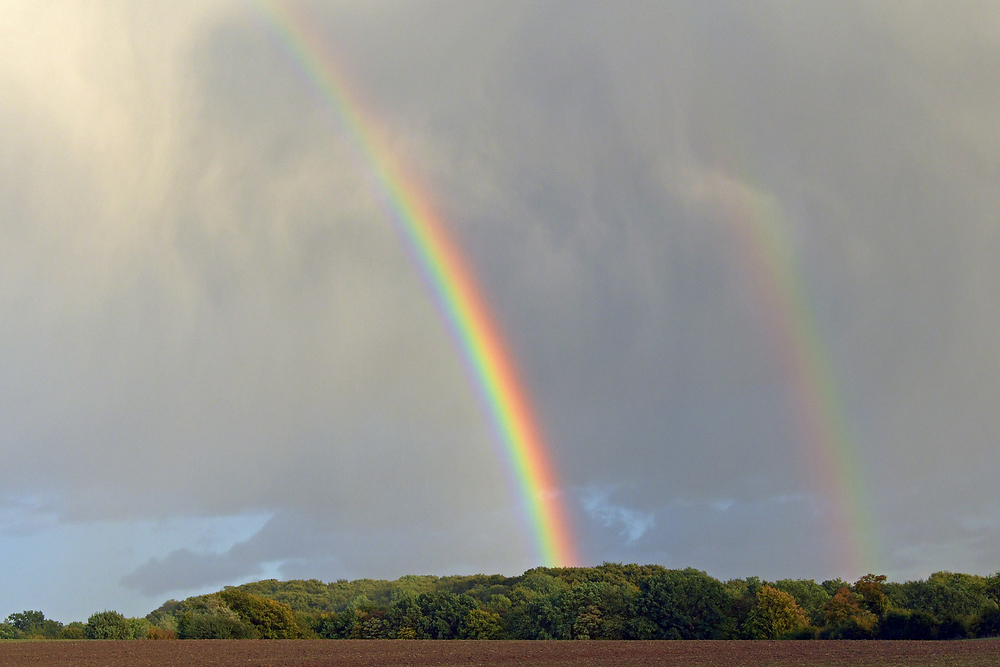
{"x":220,"y":362}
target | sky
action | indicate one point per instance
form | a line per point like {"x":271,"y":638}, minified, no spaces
{"x":744,"y":257}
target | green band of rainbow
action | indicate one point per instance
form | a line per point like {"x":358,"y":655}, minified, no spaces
{"x":452,"y":283}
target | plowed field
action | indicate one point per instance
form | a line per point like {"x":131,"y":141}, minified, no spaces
{"x":219,"y":653}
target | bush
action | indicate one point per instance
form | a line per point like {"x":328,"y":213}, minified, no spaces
{"x":858,"y":627}
{"x":908,"y":624}
{"x":108,"y":625}
{"x":955,"y":627}
{"x":804,"y":632}
{"x":156,"y":632}
{"x":214,"y":626}
{"x":270,"y":618}
{"x":138,"y":628}
{"x":989,"y":623}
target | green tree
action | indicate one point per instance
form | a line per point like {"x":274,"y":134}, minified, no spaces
{"x":193,"y":625}
{"x":337,"y":625}
{"x":8,"y":631}
{"x":27,"y":622}
{"x":481,"y":624}
{"x":908,"y":624}
{"x":684,"y":604}
{"x":442,"y":614}
{"x":404,"y":615}
{"x":595,"y":609}
{"x":832,"y":586}
{"x":138,"y":628}
{"x":988,"y":624}
{"x":775,"y":614}
{"x":846,"y":618}
{"x":743,"y":597}
{"x":947,"y":595}
{"x":270,"y":618}
{"x":108,"y":625}
{"x":809,"y":595}
{"x":73,"y":630}
{"x":34,"y":625}
{"x":870,"y":588}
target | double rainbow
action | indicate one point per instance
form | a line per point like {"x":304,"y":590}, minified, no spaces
{"x":452,"y":282}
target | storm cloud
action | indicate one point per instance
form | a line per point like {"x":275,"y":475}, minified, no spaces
{"x":220,"y":363}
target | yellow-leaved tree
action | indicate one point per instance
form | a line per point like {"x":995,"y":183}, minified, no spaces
{"x":775,"y":614}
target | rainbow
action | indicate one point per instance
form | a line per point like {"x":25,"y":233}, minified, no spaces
{"x":451,"y":281}
{"x":829,"y":451}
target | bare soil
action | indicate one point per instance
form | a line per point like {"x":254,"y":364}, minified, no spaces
{"x":334,"y":653}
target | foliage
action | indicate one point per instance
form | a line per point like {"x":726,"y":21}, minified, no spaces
{"x":26,"y":621}
{"x":988,"y":624}
{"x":809,"y":595}
{"x":684,"y":604}
{"x":270,"y":618}
{"x":846,"y":618}
{"x":442,"y":615}
{"x":30,"y":625}
{"x":138,"y":628}
{"x":156,"y":632}
{"x":873,"y":597}
{"x":74,"y":630}
{"x":481,"y":624}
{"x":611,"y":601}
{"x":214,"y":626}
{"x":776,"y":614}
{"x":108,"y":625}
{"x":831,"y":586}
{"x":946,"y":595}
{"x":908,"y":624}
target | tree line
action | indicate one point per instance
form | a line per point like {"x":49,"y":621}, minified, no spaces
{"x":611,"y":601}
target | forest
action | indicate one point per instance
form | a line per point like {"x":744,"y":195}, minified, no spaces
{"x":611,"y":601}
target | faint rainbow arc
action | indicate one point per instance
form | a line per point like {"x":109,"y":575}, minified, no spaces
{"x":830,"y":450}
{"x":452,"y":283}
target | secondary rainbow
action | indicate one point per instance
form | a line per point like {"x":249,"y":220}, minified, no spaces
{"x":829,"y":455}
{"x":451,"y":281}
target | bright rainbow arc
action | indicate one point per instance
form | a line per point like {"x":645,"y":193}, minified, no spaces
{"x":453,"y":284}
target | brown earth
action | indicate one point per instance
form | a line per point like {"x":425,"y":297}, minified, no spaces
{"x":334,"y":653}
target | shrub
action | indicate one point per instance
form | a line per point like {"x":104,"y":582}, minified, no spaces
{"x":804,"y":632}
{"x":989,"y":623}
{"x":156,"y":632}
{"x":214,"y":626}
{"x":908,"y":624}
{"x":955,"y":627}
{"x":270,"y":618}
{"x":108,"y":625}
{"x":138,"y":628}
